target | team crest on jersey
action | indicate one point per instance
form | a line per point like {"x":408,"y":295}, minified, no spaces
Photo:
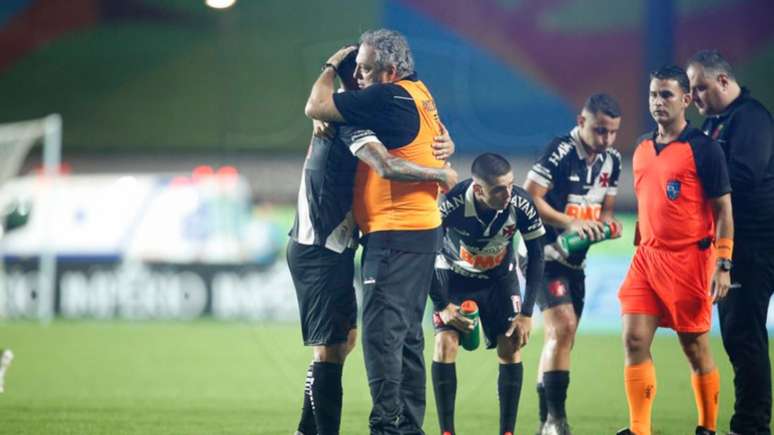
{"x":716,"y":133}
{"x":604,"y":179}
{"x":673,"y":189}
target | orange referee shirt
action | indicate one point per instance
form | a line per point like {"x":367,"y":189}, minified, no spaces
{"x":673,"y":183}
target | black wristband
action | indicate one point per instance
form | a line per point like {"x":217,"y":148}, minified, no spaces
{"x":329,"y":65}
{"x":725,"y":264}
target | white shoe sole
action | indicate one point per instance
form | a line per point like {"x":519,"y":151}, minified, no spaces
{"x":5,"y":361}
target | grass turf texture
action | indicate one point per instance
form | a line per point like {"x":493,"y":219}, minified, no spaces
{"x":207,"y":377}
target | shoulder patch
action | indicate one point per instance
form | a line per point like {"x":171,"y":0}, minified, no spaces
{"x":451,"y":203}
{"x":560,"y":150}
{"x":454,"y":198}
{"x":524,"y":203}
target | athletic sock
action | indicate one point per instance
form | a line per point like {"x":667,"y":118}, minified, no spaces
{"x":509,"y":392}
{"x":555,"y":383}
{"x":542,"y":404}
{"x":307,"y":425}
{"x":640,"y":384}
{"x":445,"y":389}
{"x":326,"y":397}
{"x":706,"y":388}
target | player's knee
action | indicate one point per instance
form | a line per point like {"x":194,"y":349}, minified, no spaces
{"x":334,"y":353}
{"x":507,"y":352}
{"x":635,"y":344}
{"x":562,"y":330}
{"x":446,"y":347}
{"x":565,"y":333}
{"x":698,"y":353}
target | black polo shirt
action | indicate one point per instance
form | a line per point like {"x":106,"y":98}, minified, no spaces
{"x":746,"y":135}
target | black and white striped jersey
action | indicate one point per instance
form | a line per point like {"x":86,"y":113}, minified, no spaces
{"x":324,"y":212}
{"x":574,"y":187}
{"x":479,"y":243}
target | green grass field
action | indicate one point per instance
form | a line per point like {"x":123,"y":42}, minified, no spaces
{"x":207,"y":377}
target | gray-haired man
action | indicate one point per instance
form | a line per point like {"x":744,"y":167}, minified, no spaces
{"x":400,"y":221}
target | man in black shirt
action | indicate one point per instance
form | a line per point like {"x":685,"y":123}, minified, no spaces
{"x":480,"y":218}
{"x":320,"y":252}
{"x":743,"y":128}
{"x":400,"y":221}
{"x":574,"y":186}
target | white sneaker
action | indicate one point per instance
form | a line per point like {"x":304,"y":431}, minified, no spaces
{"x":556,"y":427}
{"x":5,"y":360}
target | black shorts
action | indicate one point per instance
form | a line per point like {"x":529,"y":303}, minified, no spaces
{"x":325,"y":292}
{"x":496,"y":304}
{"x":562,"y":285}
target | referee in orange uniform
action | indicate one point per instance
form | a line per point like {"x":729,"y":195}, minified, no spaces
{"x":682,"y":262}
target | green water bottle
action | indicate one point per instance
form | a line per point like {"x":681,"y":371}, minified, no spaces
{"x":470,"y":340}
{"x":572,"y":242}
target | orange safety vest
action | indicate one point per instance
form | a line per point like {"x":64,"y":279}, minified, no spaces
{"x":384,"y":205}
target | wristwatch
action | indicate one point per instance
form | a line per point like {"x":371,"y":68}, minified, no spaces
{"x":725,"y":264}
{"x":329,"y":65}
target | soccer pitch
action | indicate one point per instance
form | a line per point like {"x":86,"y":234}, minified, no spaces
{"x":207,"y":377}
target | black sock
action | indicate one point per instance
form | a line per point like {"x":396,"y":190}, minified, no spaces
{"x":555,"y":384}
{"x":509,"y":392}
{"x":445,"y":388}
{"x":307,"y":426}
{"x":542,"y":405}
{"x":326,"y":397}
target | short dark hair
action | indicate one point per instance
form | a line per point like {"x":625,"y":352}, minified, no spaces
{"x":346,"y":71}
{"x":603,"y":103}
{"x":712,"y":62}
{"x":673,"y":72}
{"x":489,"y":166}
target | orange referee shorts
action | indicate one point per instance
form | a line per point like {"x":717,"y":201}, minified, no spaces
{"x":671,"y":285}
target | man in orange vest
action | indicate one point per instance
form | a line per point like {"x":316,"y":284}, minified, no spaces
{"x":400,"y":221}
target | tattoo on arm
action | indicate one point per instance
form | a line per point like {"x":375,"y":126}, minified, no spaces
{"x":393,"y":168}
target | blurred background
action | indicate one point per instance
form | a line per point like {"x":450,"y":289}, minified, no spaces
{"x":150,"y":157}
{"x":183,"y":133}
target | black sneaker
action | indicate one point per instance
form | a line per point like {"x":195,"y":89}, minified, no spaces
{"x":624,"y":431}
{"x":704,"y":431}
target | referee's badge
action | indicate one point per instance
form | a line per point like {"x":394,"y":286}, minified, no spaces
{"x":673,"y":189}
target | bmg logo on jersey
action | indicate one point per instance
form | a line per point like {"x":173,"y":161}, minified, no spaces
{"x":586,"y":212}
{"x":673,"y":189}
{"x":483,"y":260}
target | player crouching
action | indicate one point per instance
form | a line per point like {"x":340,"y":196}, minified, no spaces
{"x":480,"y":217}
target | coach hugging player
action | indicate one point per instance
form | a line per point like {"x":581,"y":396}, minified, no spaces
{"x":376,"y":161}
